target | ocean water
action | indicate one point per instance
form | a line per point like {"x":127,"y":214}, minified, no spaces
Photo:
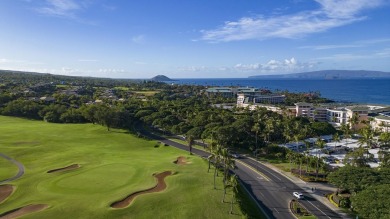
{"x":371,"y":91}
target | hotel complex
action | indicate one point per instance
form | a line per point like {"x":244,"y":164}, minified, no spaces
{"x":334,"y":114}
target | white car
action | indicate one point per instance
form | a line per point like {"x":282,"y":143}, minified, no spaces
{"x":298,"y":195}
{"x":236,"y":156}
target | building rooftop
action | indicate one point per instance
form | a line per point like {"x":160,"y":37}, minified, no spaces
{"x":303,"y":104}
{"x":381,"y":117}
{"x":358,"y":108}
{"x":219,"y":89}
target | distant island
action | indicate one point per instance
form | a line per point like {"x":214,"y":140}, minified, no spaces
{"x":329,"y":74}
{"x":161,"y":78}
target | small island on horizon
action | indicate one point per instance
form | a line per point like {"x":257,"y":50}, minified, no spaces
{"x":161,"y":78}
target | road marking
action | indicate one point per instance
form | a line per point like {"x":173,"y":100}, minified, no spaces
{"x":318,"y":208}
{"x":255,"y":170}
{"x":261,"y":194}
{"x":276,"y":210}
{"x":272,"y":174}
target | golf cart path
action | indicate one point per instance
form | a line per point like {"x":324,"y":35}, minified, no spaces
{"x":18,"y":164}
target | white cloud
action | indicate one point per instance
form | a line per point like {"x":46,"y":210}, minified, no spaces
{"x":61,"y":8}
{"x":68,"y":9}
{"x":272,"y":66}
{"x":385,"y":53}
{"x":276,"y":66}
{"x":346,"y":8}
{"x":6,"y":60}
{"x":139,"y":39}
{"x":357,"y":44}
{"x":380,"y":54}
{"x":14,"y":61}
{"x":194,"y":68}
{"x":323,"y":47}
{"x":87,"y":60}
{"x":331,"y":14}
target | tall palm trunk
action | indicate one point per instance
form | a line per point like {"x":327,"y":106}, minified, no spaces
{"x":224,"y":193}
{"x":231,"y":203}
{"x":215,"y":173}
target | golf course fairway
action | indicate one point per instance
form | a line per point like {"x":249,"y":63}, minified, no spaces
{"x":99,"y":167}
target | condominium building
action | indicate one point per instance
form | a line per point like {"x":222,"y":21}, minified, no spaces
{"x":309,"y":111}
{"x":231,"y":91}
{"x":256,"y":101}
{"x":362,"y":115}
{"x":259,"y":98}
{"x":336,"y":116}
{"x":381,"y":119}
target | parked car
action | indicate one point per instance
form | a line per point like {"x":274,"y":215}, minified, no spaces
{"x":298,"y":195}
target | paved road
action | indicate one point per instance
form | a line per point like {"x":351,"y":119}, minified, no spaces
{"x":282,"y":188}
{"x":271,"y":190}
{"x":18,"y":164}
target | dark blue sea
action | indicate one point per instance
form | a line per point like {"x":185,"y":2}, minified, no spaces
{"x":372,"y":91}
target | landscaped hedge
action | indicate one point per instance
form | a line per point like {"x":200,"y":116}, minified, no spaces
{"x":341,"y":201}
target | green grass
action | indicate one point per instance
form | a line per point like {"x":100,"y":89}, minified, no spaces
{"x":113,"y":165}
{"x":147,"y":93}
{"x":308,"y":217}
{"x":121,"y":88}
{"x":304,"y":214}
{"x":7,"y":169}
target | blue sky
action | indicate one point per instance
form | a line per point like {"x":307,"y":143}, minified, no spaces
{"x":193,"y":38}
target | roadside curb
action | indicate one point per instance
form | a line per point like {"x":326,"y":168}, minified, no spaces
{"x":253,"y":198}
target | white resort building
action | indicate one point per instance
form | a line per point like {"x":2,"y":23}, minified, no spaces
{"x":243,"y":99}
{"x":335,"y":115}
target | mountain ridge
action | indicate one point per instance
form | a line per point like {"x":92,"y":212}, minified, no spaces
{"x":329,"y":74}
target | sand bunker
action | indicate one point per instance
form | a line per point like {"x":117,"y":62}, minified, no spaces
{"x":70,"y":167}
{"x":23,"y":211}
{"x":157,"y":188}
{"x":5,"y":192}
{"x":180,"y":160}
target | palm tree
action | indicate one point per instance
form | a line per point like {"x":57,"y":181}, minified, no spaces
{"x":353,"y":121}
{"x":217,"y":152}
{"x":211,"y":156}
{"x":225,"y":187}
{"x":384,"y":155}
{"x":256,"y":129}
{"x":307,"y":144}
{"x":290,"y":157}
{"x":384,"y":139}
{"x":233,"y":183}
{"x":269,"y":128}
{"x":320,"y":144}
{"x":287,"y":131}
{"x":346,"y":131}
{"x":190,"y":141}
{"x":227,"y":162}
{"x":300,"y":159}
{"x":336,"y":138}
{"x":367,"y":136}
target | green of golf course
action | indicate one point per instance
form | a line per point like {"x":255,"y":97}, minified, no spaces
{"x":112,"y":165}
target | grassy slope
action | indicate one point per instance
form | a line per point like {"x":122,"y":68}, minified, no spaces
{"x":7,"y":169}
{"x":114,"y":164}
